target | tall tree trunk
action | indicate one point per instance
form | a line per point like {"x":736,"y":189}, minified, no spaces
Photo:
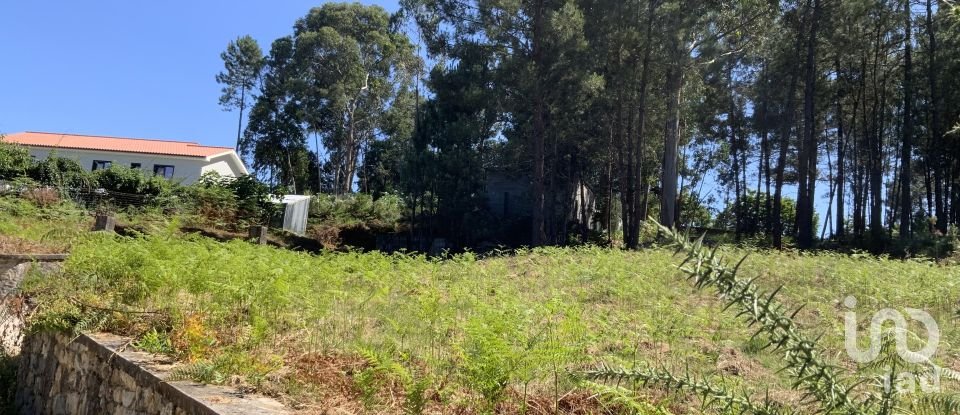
{"x":906,"y":174}
{"x":671,"y":142}
{"x":349,"y":158}
{"x":539,"y":235}
{"x":875,"y":146}
{"x":841,"y":152}
{"x":862,"y":150}
{"x":827,"y":218}
{"x":640,"y":213}
{"x":934,"y":129}
{"x":807,"y":169}
{"x":786,"y":132}
{"x":765,"y":155}
{"x":316,"y":143}
{"x":243,"y":100}
{"x":736,"y":160}
{"x":291,"y":177}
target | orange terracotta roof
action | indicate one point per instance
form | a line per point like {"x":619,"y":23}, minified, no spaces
{"x":118,"y":144}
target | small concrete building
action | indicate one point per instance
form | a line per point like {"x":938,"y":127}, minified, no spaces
{"x":180,"y":161}
{"x":296,"y":209}
{"x":510,"y":197}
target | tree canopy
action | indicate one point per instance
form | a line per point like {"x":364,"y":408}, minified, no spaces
{"x":778,"y":117}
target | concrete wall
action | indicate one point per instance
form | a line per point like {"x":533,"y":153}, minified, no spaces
{"x":508,"y":196}
{"x":185,"y":169}
{"x":95,"y":375}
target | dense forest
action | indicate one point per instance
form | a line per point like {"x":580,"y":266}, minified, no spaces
{"x":819,"y":120}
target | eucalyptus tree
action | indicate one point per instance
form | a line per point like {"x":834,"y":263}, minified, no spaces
{"x":351,"y":63}
{"x":242,"y":62}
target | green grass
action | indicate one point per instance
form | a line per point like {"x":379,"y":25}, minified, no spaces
{"x":368,"y":332}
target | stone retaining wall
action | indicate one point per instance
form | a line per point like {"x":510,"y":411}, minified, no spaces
{"x":95,"y":374}
{"x":13,"y":269}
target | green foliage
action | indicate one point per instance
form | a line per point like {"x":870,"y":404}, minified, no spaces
{"x":242,"y":62}
{"x":124,"y":179}
{"x":60,"y":172}
{"x":626,"y":399}
{"x":457,"y":333}
{"x":346,"y":210}
{"x":225,"y":198}
{"x":490,"y":355}
{"x":202,"y":372}
{"x":154,"y":341}
{"x":15,"y":161}
{"x":337,"y":77}
{"x":802,"y":358}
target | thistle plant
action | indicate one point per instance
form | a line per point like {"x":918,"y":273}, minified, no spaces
{"x":825,"y":387}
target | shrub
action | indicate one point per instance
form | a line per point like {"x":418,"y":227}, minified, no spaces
{"x":61,"y":172}
{"x":347,"y":210}
{"x":42,"y":196}
{"x":244,"y":198}
{"x":14,"y":161}
{"x":119,"y":179}
{"x":214,"y":203}
{"x":124,"y":179}
{"x":253,"y":199}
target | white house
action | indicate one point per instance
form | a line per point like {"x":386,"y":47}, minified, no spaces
{"x":177,"y":160}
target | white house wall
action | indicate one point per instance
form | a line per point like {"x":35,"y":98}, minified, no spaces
{"x":224,"y":165}
{"x":185,"y":169}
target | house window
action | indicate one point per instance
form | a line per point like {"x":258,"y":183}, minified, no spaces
{"x":134,"y":165}
{"x":100,"y":164}
{"x":162,"y":170}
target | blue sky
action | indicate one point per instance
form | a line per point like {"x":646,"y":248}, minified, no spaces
{"x":129,"y":68}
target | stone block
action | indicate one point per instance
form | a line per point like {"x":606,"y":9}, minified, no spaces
{"x":258,"y":234}
{"x":105,"y":223}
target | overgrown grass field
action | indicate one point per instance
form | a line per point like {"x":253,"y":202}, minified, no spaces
{"x":373,"y":333}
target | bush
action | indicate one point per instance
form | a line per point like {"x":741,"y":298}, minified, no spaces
{"x":358,"y":208}
{"x":217,"y":204}
{"x":60,"y":172}
{"x":14,"y":161}
{"x":244,"y":198}
{"x":42,"y":196}
{"x":123,"y":179}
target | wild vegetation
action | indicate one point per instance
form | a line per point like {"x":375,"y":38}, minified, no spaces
{"x":404,"y":333}
{"x":214,"y":203}
{"x":635,"y":107}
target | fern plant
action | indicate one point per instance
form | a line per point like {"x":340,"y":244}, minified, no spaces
{"x":383,"y":367}
{"x":824,"y":386}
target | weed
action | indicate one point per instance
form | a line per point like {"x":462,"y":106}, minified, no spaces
{"x":155,"y":342}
